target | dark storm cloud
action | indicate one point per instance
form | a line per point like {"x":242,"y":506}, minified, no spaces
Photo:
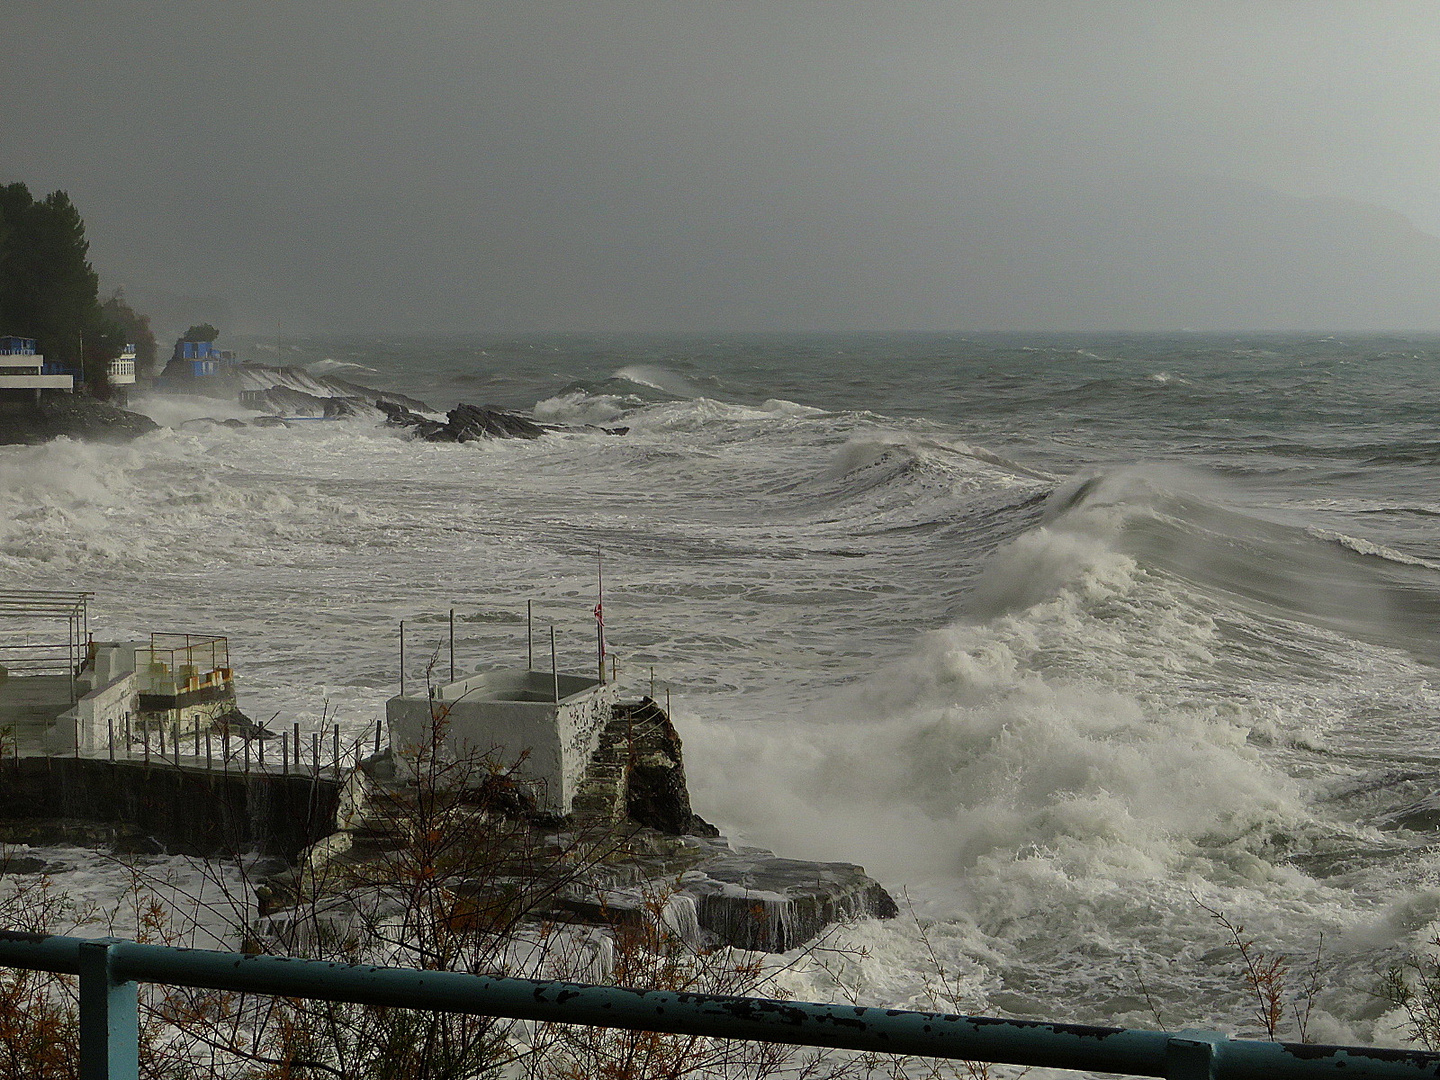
{"x":801,"y":164}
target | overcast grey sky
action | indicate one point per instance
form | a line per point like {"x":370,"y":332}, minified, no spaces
{"x":745,"y":164}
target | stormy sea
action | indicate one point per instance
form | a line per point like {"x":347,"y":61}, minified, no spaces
{"x":1075,"y":642}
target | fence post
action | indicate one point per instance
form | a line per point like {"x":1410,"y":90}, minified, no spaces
{"x":109,"y":1018}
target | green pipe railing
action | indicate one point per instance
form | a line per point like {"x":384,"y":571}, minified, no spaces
{"x":109,"y":970}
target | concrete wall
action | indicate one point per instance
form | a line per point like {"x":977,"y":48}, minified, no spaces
{"x":183,"y":811}
{"x":551,"y":742}
{"x":95,"y":716}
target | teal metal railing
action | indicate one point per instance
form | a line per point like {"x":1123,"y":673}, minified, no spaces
{"x":109,"y":970}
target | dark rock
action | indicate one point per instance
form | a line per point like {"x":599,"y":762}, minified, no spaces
{"x":472,"y":422}
{"x":237,"y":723}
{"x":72,"y":415}
{"x":753,"y":900}
{"x":656,"y":794}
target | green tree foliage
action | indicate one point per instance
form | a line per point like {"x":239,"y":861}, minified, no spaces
{"x":48,"y":289}
{"x":200,"y":332}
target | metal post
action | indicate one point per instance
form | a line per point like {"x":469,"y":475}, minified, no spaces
{"x":145,"y":737}
{"x":554,"y":667}
{"x":262,"y":754}
{"x":245,"y":750}
{"x":315,"y":750}
{"x":529,"y":636}
{"x":337,"y":747}
{"x":284,"y":753}
{"x":109,"y":1018}
{"x":452,"y":647}
{"x":175,"y":742}
{"x":162,"y":740}
{"x":209,"y":760}
{"x":225,"y":749}
{"x":377,"y":736}
{"x":127,"y":736}
{"x":110,"y":735}
{"x":197,"y":736}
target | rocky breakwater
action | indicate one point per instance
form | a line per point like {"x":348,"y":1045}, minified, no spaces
{"x":72,"y":416}
{"x":632,"y":849}
{"x":471,"y":423}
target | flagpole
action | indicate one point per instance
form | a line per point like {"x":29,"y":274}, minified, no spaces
{"x":600,"y":616}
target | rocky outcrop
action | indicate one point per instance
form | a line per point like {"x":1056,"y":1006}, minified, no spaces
{"x":71,"y":415}
{"x":465,"y":423}
{"x":632,"y":842}
{"x":471,"y":423}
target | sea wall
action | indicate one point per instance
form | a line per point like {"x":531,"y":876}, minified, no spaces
{"x":183,"y":811}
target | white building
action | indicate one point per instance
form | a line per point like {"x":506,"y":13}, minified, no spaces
{"x":22,"y":371}
{"x":121,"y":371}
{"x":543,"y":725}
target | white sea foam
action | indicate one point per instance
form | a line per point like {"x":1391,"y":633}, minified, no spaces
{"x":1059,"y":721}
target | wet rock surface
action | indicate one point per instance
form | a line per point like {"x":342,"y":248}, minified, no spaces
{"x":73,"y":416}
{"x":471,"y":423}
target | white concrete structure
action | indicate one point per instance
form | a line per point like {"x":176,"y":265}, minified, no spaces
{"x":22,"y":368}
{"x":122,"y":369}
{"x":511,"y":718}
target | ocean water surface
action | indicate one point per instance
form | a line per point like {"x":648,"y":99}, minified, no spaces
{"x":1072,"y":641}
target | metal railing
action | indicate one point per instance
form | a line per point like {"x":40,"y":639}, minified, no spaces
{"x":109,"y":970}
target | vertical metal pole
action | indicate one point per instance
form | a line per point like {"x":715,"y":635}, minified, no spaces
{"x":337,"y":747}
{"x":175,"y":742}
{"x":452,"y":647}
{"x":109,"y":1018}
{"x":145,"y":736}
{"x":127,"y":735}
{"x":162,"y":740}
{"x":377,"y":736}
{"x":554,"y":666}
{"x":262,"y":754}
{"x":402,"y":662}
{"x":529,"y":636}
{"x":225,"y":749}
{"x":284,"y":753}
{"x":600,"y":617}
{"x":315,"y":750}
{"x":245,"y":750}
{"x":209,"y":760}
{"x":110,"y":735}
{"x":197,"y":736}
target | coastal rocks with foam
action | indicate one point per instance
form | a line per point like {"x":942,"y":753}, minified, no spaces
{"x":631,"y":850}
{"x":71,"y":416}
{"x":471,"y":423}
